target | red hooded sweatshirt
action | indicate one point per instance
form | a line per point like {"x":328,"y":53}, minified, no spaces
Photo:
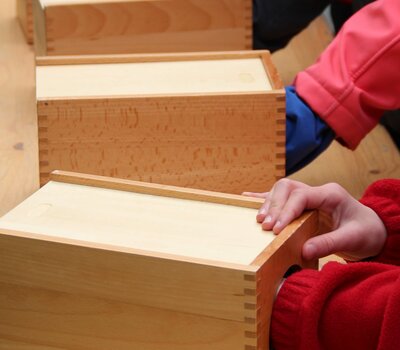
{"x":347,"y":306}
{"x":358,"y":76}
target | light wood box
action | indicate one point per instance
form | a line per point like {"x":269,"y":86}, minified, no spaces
{"x":99,"y":263}
{"x":25,"y":17}
{"x":213,"y":121}
{"x":76,"y":27}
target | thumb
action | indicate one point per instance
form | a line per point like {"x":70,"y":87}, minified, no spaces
{"x":328,"y":243}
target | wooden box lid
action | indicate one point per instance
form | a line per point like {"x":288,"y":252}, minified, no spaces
{"x":153,"y":75}
{"x":148,"y":217}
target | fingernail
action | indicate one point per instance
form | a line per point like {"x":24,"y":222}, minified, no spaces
{"x":268,"y":218}
{"x":262,"y":211}
{"x":277,"y":227}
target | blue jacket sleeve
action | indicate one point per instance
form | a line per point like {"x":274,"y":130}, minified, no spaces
{"x":307,"y":135}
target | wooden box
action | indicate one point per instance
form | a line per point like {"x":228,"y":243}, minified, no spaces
{"x":76,"y":27}
{"x":213,"y":121}
{"x":25,"y":17}
{"x":98,"y":263}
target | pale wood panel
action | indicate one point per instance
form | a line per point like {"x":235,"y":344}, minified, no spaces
{"x":120,"y":291}
{"x":93,"y":323}
{"x":146,"y":26}
{"x":279,"y":258}
{"x":141,"y":221}
{"x":18,"y":127}
{"x":151,"y":78}
{"x":25,"y":17}
{"x":147,"y":280}
{"x":39,"y":28}
{"x":156,"y":189}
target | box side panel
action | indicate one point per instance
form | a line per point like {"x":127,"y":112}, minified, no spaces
{"x":63,"y":296}
{"x":280,"y":136}
{"x":151,"y":57}
{"x":25,"y":17}
{"x":39,"y":28}
{"x":271,"y":70}
{"x":156,"y":189}
{"x":43,"y":143}
{"x":247,"y":13}
{"x":273,"y":269}
{"x":57,"y":320}
{"x":22,"y":15}
{"x":226,"y":143}
{"x":149,"y":26}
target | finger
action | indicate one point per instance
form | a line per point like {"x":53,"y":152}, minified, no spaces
{"x":262,"y":212}
{"x":339,"y":240}
{"x":299,"y":199}
{"x":277,"y":199}
{"x":264,"y":208}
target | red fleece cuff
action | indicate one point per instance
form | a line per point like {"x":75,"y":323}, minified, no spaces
{"x":383,"y":197}
{"x":286,"y":313}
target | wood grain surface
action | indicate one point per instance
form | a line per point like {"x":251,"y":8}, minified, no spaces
{"x":25,"y":17}
{"x":18,"y":122}
{"x":95,"y":27}
{"x":213,"y":124}
{"x":64,"y":286}
{"x":200,"y":76}
{"x":376,"y":157}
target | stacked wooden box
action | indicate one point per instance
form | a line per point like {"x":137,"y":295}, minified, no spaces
{"x":69,"y":27}
{"x":213,"y":121}
{"x":109,"y":263}
{"x":98,"y":263}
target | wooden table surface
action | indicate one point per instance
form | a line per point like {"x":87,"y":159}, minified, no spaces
{"x":375,"y":158}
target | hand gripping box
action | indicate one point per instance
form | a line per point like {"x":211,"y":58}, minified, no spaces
{"x":213,"y":121}
{"x":98,"y":263}
{"x":80,"y":27}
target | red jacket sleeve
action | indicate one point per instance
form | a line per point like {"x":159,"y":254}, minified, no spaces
{"x":346,"y":306}
{"x":383,"y":197}
{"x":358,"y":76}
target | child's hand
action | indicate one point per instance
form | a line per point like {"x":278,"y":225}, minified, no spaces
{"x":357,"y":231}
